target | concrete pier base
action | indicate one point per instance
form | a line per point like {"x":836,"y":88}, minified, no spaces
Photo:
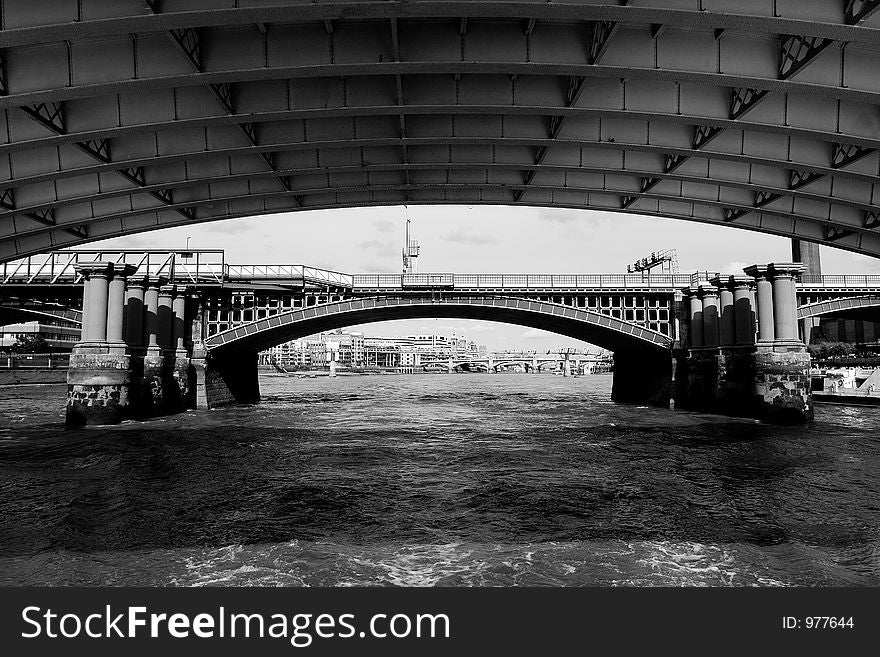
{"x":768,"y":383}
{"x":184,"y":382}
{"x":642,"y":378}
{"x":152,"y":388}
{"x":225,"y":379}
{"x":782,"y":385}
{"x":98,"y":385}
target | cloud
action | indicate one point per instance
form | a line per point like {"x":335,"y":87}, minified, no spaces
{"x":384,"y":225}
{"x":378,"y":247}
{"x":533,"y":334}
{"x":462,"y":237}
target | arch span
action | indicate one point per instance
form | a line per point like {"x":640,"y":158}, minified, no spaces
{"x":34,"y":310}
{"x":601,"y":330}
{"x":642,"y":365}
{"x":123,"y":117}
{"x":866,"y":307}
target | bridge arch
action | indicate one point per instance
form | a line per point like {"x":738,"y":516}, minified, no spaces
{"x":601,"y":330}
{"x":865,"y":306}
{"x":642,"y":358}
{"x":10,"y":311}
{"x":713,"y":112}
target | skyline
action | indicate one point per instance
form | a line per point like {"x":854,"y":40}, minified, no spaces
{"x":481,"y":239}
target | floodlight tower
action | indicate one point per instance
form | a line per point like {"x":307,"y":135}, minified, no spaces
{"x":410,"y":252}
{"x":667,"y":260}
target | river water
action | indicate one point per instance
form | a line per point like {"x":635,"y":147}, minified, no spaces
{"x":467,"y":479}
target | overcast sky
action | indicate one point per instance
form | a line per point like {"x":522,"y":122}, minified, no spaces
{"x":476,"y":239}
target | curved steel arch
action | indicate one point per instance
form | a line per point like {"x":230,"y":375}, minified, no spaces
{"x":845,"y":305}
{"x":598,"y":329}
{"x":134,"y":115}
{"x":9,"y":310}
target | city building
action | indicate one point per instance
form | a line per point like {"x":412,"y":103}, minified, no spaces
{"x":58,"y":338}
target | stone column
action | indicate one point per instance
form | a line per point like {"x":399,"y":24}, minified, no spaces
{"x":98,"y":280}
{"x":766,"y":325}
{"x":709,"y":299}
{"x":134,"y":314}
{"x":695,"y":318}
{"x":154,"y":381}
{"x":151,"y":314}
{"x":116,"y":303}
{"x":727,"y":320}
{"x":781,"y":387}
{"x":99,"y":376}
{"x":179,"y":325}
{"x":166,"y":317}
{"x":784,"y":300}
{"x":743,"y":311}
{"x":84,"y":320}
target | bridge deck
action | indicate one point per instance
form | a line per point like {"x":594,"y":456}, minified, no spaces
{"x":206,"y":268}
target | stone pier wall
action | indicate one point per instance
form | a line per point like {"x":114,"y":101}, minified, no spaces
{"x":783,"y":386}
{"x":642,"y":377}
{"x":761,"y":383}
{"x":224,"y":379}
{"x":98,"y":387}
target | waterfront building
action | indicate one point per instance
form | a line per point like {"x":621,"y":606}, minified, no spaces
{"x":58,"y":338}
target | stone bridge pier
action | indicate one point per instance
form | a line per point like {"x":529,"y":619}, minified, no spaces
{"x":133,"y":360}
{"x":741,"y":354}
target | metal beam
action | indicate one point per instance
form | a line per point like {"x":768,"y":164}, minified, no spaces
{"x":858,"y":11}
{"x":845,"y":154}
{"x":796,"y":52}
{"x":188,"y":43}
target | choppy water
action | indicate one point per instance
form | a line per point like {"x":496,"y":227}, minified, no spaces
{"x":449,"y":480}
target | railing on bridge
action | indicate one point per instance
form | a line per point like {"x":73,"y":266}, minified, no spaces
{"x":188,"y":267}
{"x":288,"y":273}
{"x":842,"y":280}
{"x":519,"y":281}
{"x":205,"y":266}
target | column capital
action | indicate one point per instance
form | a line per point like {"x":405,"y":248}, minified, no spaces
{"x":708,"y":290}
{"x":741,"y":282}
{"x":90,"y":269}
{"x":720,"y":281}
{"x":147,"y":280}
{"x":792,"y":269}
{"x":122,"y":270}
{"x":758,"y":271}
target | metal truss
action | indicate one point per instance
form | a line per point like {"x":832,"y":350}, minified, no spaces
{"x":733,"y":118}
{"x":860,"y":10}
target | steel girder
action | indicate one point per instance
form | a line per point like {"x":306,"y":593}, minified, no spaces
{"x":140,"y":114}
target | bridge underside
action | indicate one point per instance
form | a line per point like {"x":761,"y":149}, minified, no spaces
{"x":135,"y":115}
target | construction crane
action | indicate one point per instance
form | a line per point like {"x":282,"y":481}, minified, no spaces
{"x":410,"y":252}
{"x":667,"y":260}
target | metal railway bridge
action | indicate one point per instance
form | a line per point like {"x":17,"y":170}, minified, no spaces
{"x":132,"y":115}
{"x":239,"y":301}
{"x":165,"y":330}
